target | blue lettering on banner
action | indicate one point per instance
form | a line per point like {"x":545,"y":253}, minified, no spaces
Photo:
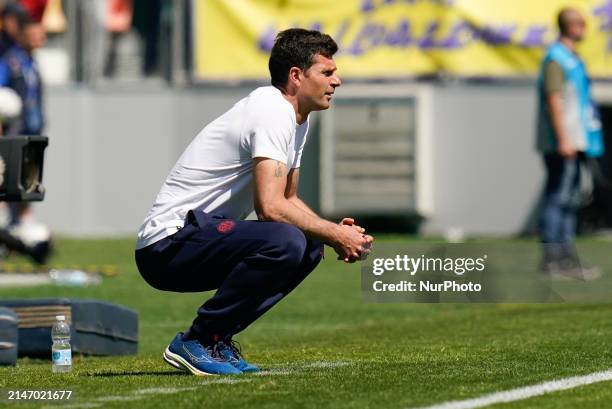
{"x":501,"y":35}
{"x":456,"y":38}
{"x":400,"y":37}
{"x":316,"y":26}
{"x":373,"y":34}
{"x":534,"y":37}
{"x":604,"y":11}
{"x":266,"y":41}
{"x":367,"y":6}
{"x":428,"y":39}
{"x":370,"y":35}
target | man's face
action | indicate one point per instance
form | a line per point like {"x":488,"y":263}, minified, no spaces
{"x":318,"y":83}
{"x":34,"y":37}
{"x":10,"y":26}
{"x":576,"y":27}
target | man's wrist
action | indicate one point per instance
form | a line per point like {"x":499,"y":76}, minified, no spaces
{"x":333,"y":233}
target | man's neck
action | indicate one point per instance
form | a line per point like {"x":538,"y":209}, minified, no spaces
{"x":300,"y":113}
{"x":569,"y":43}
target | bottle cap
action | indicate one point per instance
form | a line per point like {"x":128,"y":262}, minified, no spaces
{"x":60,"y":317}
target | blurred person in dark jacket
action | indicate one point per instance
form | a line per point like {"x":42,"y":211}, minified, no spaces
{"x":19,"y":72}
{"x":12,"y":17}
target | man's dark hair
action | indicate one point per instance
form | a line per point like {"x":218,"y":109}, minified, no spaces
{"x":16,"y":11}
{"x":296,"y":47}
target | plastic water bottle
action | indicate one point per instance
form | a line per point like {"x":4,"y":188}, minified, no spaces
{"x":74,"y":278}
{"x":61,"y":352}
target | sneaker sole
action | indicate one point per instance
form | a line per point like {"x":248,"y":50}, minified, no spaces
{"x":179,"y":362}
{"x":174,"y":364}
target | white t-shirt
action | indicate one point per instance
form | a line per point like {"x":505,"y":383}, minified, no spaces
{"x":215,"y":173}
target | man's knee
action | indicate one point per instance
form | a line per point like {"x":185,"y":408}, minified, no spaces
{"x":290,"y":243}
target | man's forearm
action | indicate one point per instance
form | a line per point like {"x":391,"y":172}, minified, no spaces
{"x":555,"y":110}
{"x":302,"y":205}
{"x":289,"y":211}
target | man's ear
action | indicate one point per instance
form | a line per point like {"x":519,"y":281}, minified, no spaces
{"x":294,"y":75}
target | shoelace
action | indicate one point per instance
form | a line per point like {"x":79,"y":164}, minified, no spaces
{"x":213,"y":351}
{"x":233,"y":346}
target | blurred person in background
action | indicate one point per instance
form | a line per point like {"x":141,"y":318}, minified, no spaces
{"x":147,"y":20}
{"x":12,"y":17}
{"x":118,"y":23}
{"x":568,"y":131}
{"x":110,"y":22}
{"x":19,"y":72}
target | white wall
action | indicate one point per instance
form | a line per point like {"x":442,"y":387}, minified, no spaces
{"x":110,"y":150}
{"x":487,"y":174}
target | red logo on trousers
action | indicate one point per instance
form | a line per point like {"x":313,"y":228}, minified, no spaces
{"x":226,"y":226}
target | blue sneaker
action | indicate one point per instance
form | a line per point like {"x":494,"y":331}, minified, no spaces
{"x":197,"y":359}
{"x":230,"y":350}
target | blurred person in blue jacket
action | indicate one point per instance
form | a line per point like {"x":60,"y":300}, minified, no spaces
{"x":19,"y":72}
{"x":12,"y":17}
{"x":569,"y":131}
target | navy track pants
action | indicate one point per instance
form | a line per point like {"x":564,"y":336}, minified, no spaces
{"x":251,"y":264}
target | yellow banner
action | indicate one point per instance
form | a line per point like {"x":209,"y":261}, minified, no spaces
{"x":397,"y":38}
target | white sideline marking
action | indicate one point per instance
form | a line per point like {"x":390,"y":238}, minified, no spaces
{"x":274,"y":372}
{"x":292,"y":368}
{"x":525,"y":392}
{"x":74,"y":406}
{"x":327,"y":364}
{"x":116,"y":398}
{"x":161,"y":391}
{"x":223,"y":381}
{"x":138,"y":394}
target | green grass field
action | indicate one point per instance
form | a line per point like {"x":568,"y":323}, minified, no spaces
{"x":322,"y":347}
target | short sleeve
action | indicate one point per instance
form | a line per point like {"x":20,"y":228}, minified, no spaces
{"x":553,"y":78}
{"x":271,"y":139}
{"x":301,"y":135}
